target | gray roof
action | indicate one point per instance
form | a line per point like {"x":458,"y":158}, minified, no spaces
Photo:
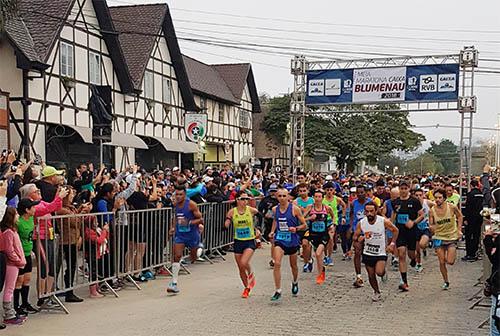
{"x":206,"y":80}
{"x":21,"y":38}
{"x":235,"y":76}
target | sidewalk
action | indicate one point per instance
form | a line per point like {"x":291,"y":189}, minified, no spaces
{"x":210,"y":304}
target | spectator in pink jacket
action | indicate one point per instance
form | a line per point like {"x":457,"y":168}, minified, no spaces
{"x":10,"y":245}
{"x":43,"y":236}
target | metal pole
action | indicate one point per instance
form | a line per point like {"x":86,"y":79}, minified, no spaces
{"x":26,"y":117}
{"x":180,"y":161}
{"x":101,"y":149}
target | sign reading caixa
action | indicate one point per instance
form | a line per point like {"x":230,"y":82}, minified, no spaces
{"x":383,"y":85}
{"x":195,"y":125}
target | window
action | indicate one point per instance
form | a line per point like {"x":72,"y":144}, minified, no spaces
{"x":94,"y":68}
{"x":66,"y":59}
{"x":244,"y":119}
{"x":166,"y":90}
{"x":149,"y":92}
{"x":221,"y":113}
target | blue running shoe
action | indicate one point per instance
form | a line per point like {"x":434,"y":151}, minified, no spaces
{"x":172,"y":288}
{"x":295,"y":289}
{"x":276,"y":297}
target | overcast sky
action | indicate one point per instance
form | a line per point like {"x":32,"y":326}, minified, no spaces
{"x":442,"y":27}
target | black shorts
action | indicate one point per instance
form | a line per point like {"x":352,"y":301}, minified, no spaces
{"x":407,"y":237}
{"x":425,"y":232}
{"x":289,"y":250}
{"x":319,"y":238}
{"x":28,"y":267}
{"x":370,"y":260}
{"x":241,"y":245}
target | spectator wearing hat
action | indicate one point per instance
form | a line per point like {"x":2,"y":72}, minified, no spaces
{"x":51,"y":179}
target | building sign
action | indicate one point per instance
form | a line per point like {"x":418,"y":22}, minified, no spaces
{"x":417,"y":83}
{"x":195,"y":125}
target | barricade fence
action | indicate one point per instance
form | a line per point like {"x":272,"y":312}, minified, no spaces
{"x":79,"y":250}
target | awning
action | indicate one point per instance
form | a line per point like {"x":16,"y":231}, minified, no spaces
{"x":84,"y":132}
{"x":126,"y":140}
{"x":175,"y":145}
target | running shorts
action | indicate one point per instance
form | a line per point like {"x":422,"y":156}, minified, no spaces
{"x":28,"y":267}
{"x":289,"y":250}
{"x":407,"y":237}
{"x":370,"y":260}
{"x":439,"y":243}
{"x":303,"y":235}
{"x":425,"y":232}
{"x":191,"y":241}
{"x":241,"y":245}
{"x":318,"y":239}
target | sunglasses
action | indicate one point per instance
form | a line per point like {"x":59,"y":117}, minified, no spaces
{"x":243,"y":199}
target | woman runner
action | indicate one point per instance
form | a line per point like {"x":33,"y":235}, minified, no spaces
{"x":244,"y":239}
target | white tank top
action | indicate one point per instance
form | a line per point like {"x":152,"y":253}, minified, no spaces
{"x":374,"y":236}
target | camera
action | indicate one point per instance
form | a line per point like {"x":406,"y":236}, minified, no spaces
{"x":38,"y":160}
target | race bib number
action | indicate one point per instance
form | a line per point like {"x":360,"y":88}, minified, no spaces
{"x":372,"y":249}
{"x":284,"y":236}
{"x":243,"y":233}
{"x":318,"y":226}
{"x":183,"y":224}
{"x":283,"y":225}
{"x":403,"y":218}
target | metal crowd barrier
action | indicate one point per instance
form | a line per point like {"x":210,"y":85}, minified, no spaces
{"x":100,"y":249}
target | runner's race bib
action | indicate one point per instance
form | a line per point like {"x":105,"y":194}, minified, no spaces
{"x":284,"y":236}
{"x":182,"y":224}
{"x":403,"y":219}
{"x":372,"y":249}
{"x":283,"y":225}
{"x":243,"y":233}
{"x":318,"y":226}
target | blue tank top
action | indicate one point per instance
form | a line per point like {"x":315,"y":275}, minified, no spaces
{"x":358,"y":212}
{"x":183,"y":218}
{"x":304,"y":204}
{"x":283,"y":222}
{"x":388,"y":206}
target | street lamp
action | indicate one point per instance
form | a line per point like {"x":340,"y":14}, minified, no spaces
{"x":394,"y":170}
{"x":385,"y":170}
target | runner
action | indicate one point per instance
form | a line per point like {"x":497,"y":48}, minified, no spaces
{"x":357,"y":214}
{"x":445,"y":221}
{"x":286,"y":240}
{"x":320,"y":232}
{"x":451,"y":195}
{"x":387,"y":210}
{"x":407,"y":214}
{"x":333,"y":201}
{"x":423,"y":231}
{"x":186,"y":229}
{"x":374,"y":252}
{"x":244,"y":239}
{"x":305,"y":203}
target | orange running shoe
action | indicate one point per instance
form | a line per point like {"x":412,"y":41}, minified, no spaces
{"x":246,"y":293}
{"x":321,"y":278}
{"x":251,"y":281}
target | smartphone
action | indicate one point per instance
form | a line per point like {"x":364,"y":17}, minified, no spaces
{"x":4,"y":153}
{"x":38,"y":160}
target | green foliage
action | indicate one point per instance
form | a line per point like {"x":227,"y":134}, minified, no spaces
{"x":447,"y":153}
{"x":319,"y":135}
{"x":424,"y":163}
{"x":276,"y":121}
{"x":8,"y":8}
{"x":390,"y":161}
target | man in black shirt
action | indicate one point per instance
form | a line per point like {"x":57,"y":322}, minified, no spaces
{"x":474,"y":220}
{"x":407,"y":214}
{"x":495,"y":195}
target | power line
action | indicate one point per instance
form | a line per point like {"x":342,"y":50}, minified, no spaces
{"x":453,"y":126}
{"x":338,"y":24}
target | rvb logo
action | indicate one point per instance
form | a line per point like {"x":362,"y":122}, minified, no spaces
{"x":428,"y":83}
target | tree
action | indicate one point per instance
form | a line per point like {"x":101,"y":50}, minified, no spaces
{"x":448,"y":154}
{"x":8,"y":8}
{"x":277,"y":119}
{"x":424,"y":163}
{"x":370,"y":135}
{"x":390,"y":161}
{"x":318,"y":136}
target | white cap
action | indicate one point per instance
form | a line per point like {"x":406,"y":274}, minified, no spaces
{"x":208,"y":179}
{"x":175,"y":169}
{"x":353,"y":189}
{"x":329,"y":177}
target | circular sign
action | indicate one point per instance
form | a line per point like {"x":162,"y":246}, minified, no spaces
{"x":195,"y":130}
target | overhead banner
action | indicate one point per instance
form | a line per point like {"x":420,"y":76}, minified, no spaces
{"x":195,"y":125}
{"x":416,"y":83}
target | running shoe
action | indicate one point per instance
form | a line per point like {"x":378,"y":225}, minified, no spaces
{"x":306,"y":267}
{"x":424,"y":252}
{"x":404,"y":287}
{"x":30,"y":309}
{"x":246,"y":293}
{"x":251,"y":281}
{"x":325,"y":260}
{"x":295,"y":289}
{"x":328,"y":261}
{"x":172,"y":288}
{"x":358,"y":282}
{"x":445,"y":286}
{"x":344,"y":257}
{"x":271,"y":263}
{"x":14,"y":321}
{"x":148,"y":275}
{"x":376,"y":297}
{"x":413,"y":263}
{"x":21,"y":312}
{"x":310,"y":266}
{"x":419,"y":268}
{"x":276,"y":297}
{"x":321,"y":277}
